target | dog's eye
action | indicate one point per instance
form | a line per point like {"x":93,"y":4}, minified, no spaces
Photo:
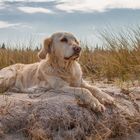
{"x":64,"y":40}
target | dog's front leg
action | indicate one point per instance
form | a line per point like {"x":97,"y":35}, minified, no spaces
{"x":85,"y":96}
{"x":100,"y":95}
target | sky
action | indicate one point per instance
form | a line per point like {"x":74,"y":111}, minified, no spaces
{"x":24,"y":20}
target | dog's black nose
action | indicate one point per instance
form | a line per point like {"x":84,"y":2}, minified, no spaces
{"x":77,"y":49}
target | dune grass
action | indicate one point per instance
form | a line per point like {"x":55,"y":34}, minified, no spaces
{"x":11,"y":56}
{"x":118,"y":57}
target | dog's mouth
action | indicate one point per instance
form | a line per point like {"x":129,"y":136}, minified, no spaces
{"x":73,"y":57}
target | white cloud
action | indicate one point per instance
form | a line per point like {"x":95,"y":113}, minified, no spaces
{"x":32,"y":10}
{"x":25,"y":26}
{"x":4,"y":24}
{"x":26,"y":0}
{"x":2,"y":6}
{"x":78,"y":5}
{"x":96,"y":5}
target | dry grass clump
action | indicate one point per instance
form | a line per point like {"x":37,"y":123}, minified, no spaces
{"x":119,"y":56}
{"x":9,"y":55}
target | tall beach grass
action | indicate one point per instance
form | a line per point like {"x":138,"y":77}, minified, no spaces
{"x":118,"y":57}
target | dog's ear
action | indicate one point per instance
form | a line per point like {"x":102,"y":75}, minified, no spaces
{"x":45,"y":49}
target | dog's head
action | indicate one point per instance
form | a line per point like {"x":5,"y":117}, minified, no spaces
{"x":63,"y":45}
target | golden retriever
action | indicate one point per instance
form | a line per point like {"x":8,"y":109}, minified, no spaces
{"x":58,"y":69}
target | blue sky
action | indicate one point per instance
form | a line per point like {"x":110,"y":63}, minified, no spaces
{"x":22,"y":20}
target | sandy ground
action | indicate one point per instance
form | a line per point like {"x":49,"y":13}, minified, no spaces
{"x":54,"y":115}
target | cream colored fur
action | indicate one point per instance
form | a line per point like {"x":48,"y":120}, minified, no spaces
{"x":58,"y":69}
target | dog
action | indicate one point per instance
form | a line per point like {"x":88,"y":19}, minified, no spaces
{"x":57,"y":69}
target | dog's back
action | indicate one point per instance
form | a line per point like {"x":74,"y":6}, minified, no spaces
{"x":8,"y":76}
{"x":17,"y":76}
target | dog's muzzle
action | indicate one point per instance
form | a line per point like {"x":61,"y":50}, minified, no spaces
{"x":76,"y":53}
{"x":77,"y":50}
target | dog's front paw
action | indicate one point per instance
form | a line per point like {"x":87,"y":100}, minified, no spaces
{"x":97,"y":107}
{"x":107,"y":99}
{"x":91,"y":103}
